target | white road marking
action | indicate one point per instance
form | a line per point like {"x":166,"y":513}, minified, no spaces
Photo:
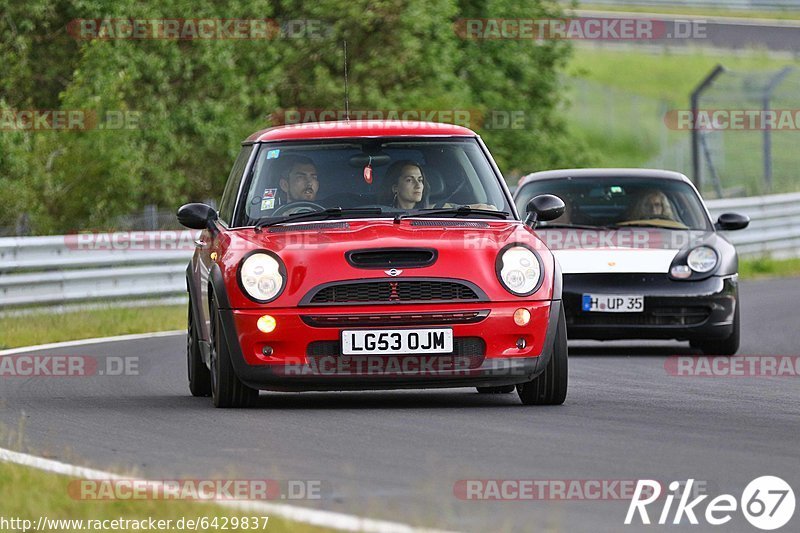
{"x":314,"y":517}
{"x":87,"y":342}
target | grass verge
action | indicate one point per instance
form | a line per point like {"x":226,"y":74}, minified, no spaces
{"x":767,"y":267}
{"x":43,"y":328}
{"x":29,"y":494}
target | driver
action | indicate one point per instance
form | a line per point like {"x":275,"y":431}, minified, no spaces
{"x":298,"y":179}
{"x":653,"y":204}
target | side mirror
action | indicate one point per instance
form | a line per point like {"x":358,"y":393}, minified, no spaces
{"x":197,"y":216}
{"x":542,"y":208}
{"x":732,"y":221}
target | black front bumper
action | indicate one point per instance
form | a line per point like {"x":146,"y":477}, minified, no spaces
{"x":682,"y":310}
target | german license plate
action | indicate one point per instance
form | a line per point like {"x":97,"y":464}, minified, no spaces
{"x":613,"y":303}
{"x":397,"y":341}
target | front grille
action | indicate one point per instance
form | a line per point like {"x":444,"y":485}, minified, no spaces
{"x":468,"y":352}
{"x":658,"y":316}
{"x":405,"y":319}
{"x":400,"y":291}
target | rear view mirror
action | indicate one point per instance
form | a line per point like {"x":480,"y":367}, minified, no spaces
{"x":543,"y":208}
{"x":732,"y":222}
{"x":197,"y":216}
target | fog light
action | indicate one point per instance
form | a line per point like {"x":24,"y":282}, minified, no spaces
{"x":522,"y":317}
{"x":521,"y":344}
{"x":266,"y":351}
{"x":266,"y":324}
{"x":680,"y":271}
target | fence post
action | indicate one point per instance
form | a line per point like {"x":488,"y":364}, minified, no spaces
{"x":697,"y":177}
{"x":768,"y":90}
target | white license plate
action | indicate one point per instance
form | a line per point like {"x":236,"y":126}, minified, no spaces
{"x":613,"y":303}
{"x":396,"y":341}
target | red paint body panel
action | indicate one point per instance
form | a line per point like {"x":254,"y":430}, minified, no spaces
{"x":313,"y":258}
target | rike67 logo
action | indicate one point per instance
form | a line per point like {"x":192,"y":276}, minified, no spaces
{"x":767,"y":502}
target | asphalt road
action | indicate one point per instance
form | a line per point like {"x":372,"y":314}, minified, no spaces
{"x":719,"y":32}
{"x":398,"y":455}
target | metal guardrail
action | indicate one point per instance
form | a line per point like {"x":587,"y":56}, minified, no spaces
{"x":119,"y":268}
{"x":112,"y":268}
{"x":774,"y":228}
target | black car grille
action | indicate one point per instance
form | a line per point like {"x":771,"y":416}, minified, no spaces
{"x":657,"y":316}
{"x":468,"y":352}
{"x":400,"y":291}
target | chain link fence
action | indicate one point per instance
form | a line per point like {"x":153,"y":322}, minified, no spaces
{"x":746,"y":132}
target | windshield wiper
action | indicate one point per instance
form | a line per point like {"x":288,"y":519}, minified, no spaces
{"x":648,"y":225}
{"x":461,"y":211}
{"x":561,"y":225}
{"x":331,"y":212}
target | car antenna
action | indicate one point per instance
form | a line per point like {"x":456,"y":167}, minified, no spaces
{"x":346,"y":95}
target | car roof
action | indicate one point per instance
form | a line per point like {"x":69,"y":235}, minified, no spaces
{"x":602,"y":173}
{"x":359,"y":128}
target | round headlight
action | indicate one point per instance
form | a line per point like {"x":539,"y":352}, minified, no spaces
{"x":702,"y":259}
{"x":260,"y":276}
{"x":519,"y":270}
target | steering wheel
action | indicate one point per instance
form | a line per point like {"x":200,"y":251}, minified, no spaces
{"x":297,"y":207}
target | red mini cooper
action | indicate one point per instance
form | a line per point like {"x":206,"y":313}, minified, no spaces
{"x":372,"y":255}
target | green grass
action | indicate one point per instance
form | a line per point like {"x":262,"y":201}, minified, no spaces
{"x":43,"y":328}
{"x":668,"y":75}
{"x":697,"y":11}
{"x":28,"y":494}
{"x":619,"y":98}
{"x":767,"y":267}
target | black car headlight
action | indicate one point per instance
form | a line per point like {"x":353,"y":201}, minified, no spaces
{"x":519,"y":269}
{"x":261,"y":276}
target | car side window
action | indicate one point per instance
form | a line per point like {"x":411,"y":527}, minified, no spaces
{"x":228,"y":201}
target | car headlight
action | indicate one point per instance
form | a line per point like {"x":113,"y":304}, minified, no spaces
{"x":702,"y":259}
{"x":260,"y":276}
{"x":519,"y":270}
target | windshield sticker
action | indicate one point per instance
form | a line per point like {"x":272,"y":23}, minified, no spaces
{"x":269,"y":193}
{"x":267,"y":203}
{"x":273,"y":154}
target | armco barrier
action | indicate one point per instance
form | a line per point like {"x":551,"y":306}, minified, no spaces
{"x":121,"y":267}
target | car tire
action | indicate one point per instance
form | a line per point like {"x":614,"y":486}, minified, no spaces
{"x":505,"y":389}
{"x":728,"y":346}
{"x":198,"y":373}
{"x":550,"y":387}
{"x":226,"y":389}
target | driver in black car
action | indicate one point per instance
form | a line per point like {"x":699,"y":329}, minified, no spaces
{"x":299,"y":181}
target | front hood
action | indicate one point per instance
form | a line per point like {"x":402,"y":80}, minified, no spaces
{"x":314,"y":253}
{"x":627,"y":250}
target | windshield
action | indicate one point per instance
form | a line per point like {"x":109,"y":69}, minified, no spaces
{"x":387,"y":177}
{"x":610,"y":201}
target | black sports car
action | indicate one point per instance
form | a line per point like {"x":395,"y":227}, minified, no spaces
{"x":641,"y":257}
